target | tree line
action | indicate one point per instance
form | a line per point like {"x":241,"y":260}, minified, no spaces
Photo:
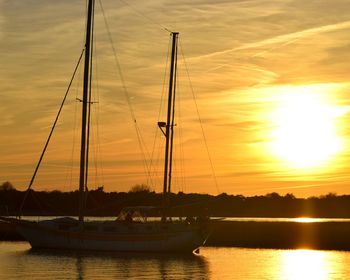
{"x":101,"y":203}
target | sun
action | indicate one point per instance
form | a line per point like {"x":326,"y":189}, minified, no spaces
{"x":304,"y":132}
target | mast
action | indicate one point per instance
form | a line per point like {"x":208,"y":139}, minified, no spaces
{"x":85,"y":102}
{"x":169,"y":125}
{"x":172,"y":123}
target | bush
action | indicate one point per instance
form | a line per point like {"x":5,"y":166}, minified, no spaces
{"x":7,"y":186}
{"x":140,"y":188}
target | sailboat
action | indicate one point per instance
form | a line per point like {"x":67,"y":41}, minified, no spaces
{"x":122,"y":235}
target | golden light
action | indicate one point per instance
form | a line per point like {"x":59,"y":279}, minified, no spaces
{"x":305,"y":132}
{"x":306,"y":264}
{"x":305,"y":220}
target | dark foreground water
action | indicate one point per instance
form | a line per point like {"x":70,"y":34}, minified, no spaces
{"x":18,"y":261}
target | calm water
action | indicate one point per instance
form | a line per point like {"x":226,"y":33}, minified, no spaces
{"x":18,"y":261}
{"x":236,"y":219}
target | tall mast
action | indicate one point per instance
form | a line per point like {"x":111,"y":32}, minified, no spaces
{"x":170,"y":119}
{"x":172,"y":122}
{"x":85,"y":101}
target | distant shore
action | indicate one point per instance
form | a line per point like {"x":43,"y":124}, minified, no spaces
{"x":281,"y":235}
{"x":103,"y":204}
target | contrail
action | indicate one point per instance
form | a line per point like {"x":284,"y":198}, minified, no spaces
{"x":281,"y":39}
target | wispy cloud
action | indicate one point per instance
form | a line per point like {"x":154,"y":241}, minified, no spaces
{"x":280,"y":40}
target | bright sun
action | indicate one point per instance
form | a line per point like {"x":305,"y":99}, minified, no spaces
{"x":304,"y":133}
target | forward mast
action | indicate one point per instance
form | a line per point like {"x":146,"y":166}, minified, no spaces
{"x":86,"y":101}
{"x":169,"y":125}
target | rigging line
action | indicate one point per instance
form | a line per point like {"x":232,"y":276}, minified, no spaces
{"x":70,"y":176}
{"x":156,"y":173}
{"x":92,"y":109}
{"x":178,"y":161}
{"x":160,"y":105}
{"x":146,"y":17}
{"x":75,"y":130}
{"x":200,"y":120}
{"x":95,"y":111}
{"x":74,"y":136}
{"x":89,"y":101}
{"x":49,"y":137}
{"x":95,"y":151}
{"x":96,"y":119}
{"x":142,"y":144}
{"x":180,"y":142}
{"x":147,"y":165}
{"x":126,"y":92}
{"x":97,"y":116}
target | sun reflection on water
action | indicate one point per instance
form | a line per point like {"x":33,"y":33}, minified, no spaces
{"x":306,"y":264}
{"x":19,"y":262}
{"x":305,"y":220}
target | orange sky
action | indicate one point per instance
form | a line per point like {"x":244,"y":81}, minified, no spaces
{"x":271,"y":80}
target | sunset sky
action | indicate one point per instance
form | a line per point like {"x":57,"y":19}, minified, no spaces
{"x":271,"y":80}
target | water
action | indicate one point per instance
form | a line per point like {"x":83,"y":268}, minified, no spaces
{"x":18,"y":261}
{"x":235,"y":219}
{"x":297,"y":220}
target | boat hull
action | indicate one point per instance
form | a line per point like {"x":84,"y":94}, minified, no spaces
{"x":129,"y":238}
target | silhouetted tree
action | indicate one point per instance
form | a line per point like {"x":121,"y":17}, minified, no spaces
{"x":99,"y":189}
{"x":7,"y":186}
{"x":273,"y":195}
{"x":289,"y":196}
{"x":101,"y":203}
{"x":329,"y":195}
{"x":140,"y":188}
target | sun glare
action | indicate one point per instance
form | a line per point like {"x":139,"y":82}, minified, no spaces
{"x":304,"y":220}
{"x":305,"y":133}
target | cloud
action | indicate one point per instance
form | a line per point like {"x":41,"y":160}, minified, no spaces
{"x":281,"y":40}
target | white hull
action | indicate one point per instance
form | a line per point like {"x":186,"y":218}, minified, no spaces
{"x":135,"y":237}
